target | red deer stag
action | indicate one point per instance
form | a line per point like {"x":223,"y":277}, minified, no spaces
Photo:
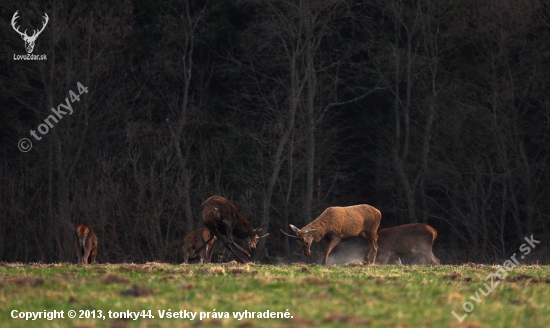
{"x":337,"y":223}
{"x":409,"y":241}
{"x":224,"y":221}
{"x":194,"y":240}
{"x":87,"y":244}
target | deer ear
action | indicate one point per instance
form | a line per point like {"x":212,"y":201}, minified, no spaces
{"x":296,"y":230}
{"x":310,"y":232}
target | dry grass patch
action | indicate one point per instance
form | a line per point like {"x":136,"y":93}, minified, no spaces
{"x":315,"y":281}
{"x":215,"y":270}
{"x":22,"y":281}
{"x":137,"y":291}
{"x":346,"y":320}
{"x":528,"y":278}
{"x":186,"y":285}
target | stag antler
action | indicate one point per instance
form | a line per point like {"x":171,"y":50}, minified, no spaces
{"x":291,"y":236}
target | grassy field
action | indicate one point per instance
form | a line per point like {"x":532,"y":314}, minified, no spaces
{"x":313,"y":295}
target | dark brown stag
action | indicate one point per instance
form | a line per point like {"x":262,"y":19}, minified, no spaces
{"x":337,"y":223}
{"x":224,"y":221}
{"x":411,"y":242}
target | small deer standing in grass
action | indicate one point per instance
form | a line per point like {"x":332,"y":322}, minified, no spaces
{"x":337,"y":223}
{"x":87,"y":244}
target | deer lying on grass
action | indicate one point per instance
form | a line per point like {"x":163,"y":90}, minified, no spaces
{"x":409,"y":241}
{"x":194,"y":240}
{"x":224,"y":221}
{"x":337,"y":223}
{"x":87,"y":244}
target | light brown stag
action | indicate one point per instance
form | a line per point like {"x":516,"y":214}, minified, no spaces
{"x":411,"y":242}
{"x":337,"y":223}
{"x":193,"y":241}
{"x":87,"y":244}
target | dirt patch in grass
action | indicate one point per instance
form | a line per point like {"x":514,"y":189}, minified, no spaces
{"x":167,"y":277}
{"x":315,"y":281}
{"x":528,"y":279}
{"x":71,"y":275}
{"x":270,"y":280}
{"x":137,"y":291}
{"x":111,"y":278}
{"x":187,"y":285}
{"x":21,"y":281}
{"x":457,"y":276}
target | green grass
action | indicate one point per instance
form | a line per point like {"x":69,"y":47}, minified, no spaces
{"x":315,"y":295}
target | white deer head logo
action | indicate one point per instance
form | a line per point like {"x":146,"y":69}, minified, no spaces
{"x":29,"y":40}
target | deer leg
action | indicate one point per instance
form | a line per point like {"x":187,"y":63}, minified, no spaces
{"x":372,"y":238}
{"x":330,"y":245}
{"x":237,"y":256}
{"x":186,"y":257}
{"x":221,"y":255}
{"x":78,"y":250}
{"x":230,"y":239}
{"x":227,"y":244}
{"x":383,"y":256}
{"x":94,"y":253}
{"x":210,"y":251}
{"x":434,"y":259}
{"x":428,"y":259}
{"x":200,"y":248}
{"x":79,"y":254}
{"x":204,"y":251}
{"x":87,"y":255}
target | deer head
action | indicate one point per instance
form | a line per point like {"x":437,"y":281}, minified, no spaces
{"x":255,"y":238}
{"x":304,"y":238}
{"x":29,"y":40}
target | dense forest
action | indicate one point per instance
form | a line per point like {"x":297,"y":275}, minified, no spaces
{"x":431,"y":111}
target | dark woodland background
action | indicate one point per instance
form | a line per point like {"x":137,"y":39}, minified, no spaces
{"x":431,"y":111}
